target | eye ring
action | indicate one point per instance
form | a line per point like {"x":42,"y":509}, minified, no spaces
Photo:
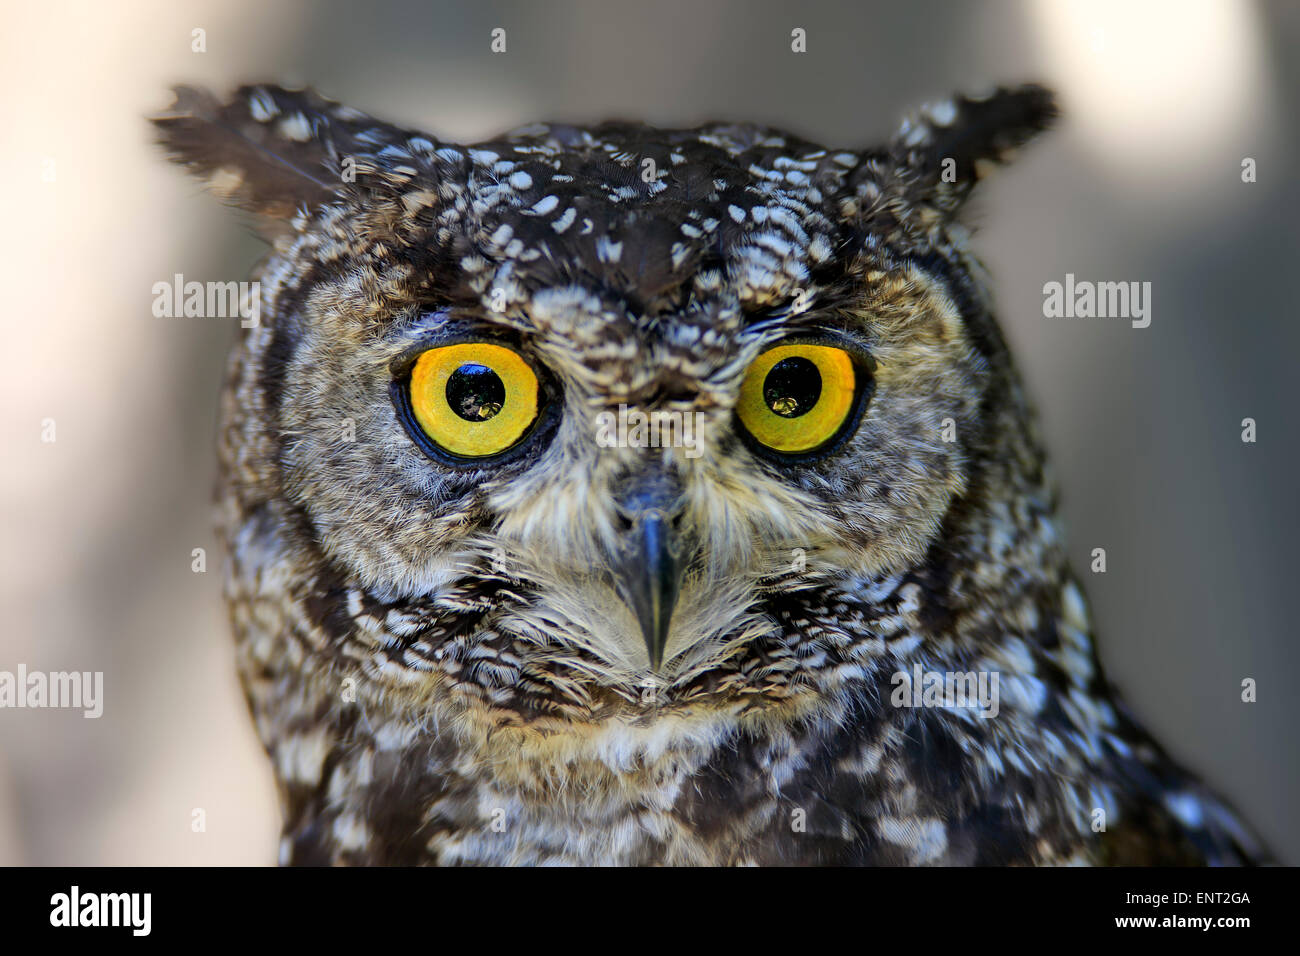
{"x":801,"y":399}
{"x":472,"y":402}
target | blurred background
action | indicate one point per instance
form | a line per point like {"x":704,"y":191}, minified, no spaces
{"x":1142,"y":182}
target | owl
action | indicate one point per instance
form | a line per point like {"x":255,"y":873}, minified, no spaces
{"x":619,"y":495}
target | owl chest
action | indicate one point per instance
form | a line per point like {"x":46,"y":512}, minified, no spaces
{"x":454,"y":808}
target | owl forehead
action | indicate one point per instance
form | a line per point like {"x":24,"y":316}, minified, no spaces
{"x":656,"y":222}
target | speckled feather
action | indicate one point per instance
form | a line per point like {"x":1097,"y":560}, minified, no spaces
{"x":435,"y":658}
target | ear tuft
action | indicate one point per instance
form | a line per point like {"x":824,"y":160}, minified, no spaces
{"x":940,"y":153}
{"x":268,"y":150}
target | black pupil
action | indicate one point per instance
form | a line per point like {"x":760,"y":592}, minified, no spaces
{"x":792,"y":387}
{"x":475,"y":392}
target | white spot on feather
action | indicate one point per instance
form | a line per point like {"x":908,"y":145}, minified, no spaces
{"x":543,"y":206}
{"x":262,"y":107}
{"x":926,"y":837}
{"x":1186,"y":808}
{"x":607,"y":250}
{"x":942,"y":114}
{"x":295,"y":127}
{"x":565,"y":221}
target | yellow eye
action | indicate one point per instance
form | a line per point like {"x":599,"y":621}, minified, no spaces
{"x":474,"y":399}
{"x":795,"y":398}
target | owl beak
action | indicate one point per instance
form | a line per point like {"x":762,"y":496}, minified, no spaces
{"x":649,"y":576}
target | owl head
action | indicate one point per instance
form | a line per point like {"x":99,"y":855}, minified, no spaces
{"x":557,"y":418}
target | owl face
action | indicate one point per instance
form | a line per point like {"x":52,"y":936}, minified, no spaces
{"x":579,"y":412}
